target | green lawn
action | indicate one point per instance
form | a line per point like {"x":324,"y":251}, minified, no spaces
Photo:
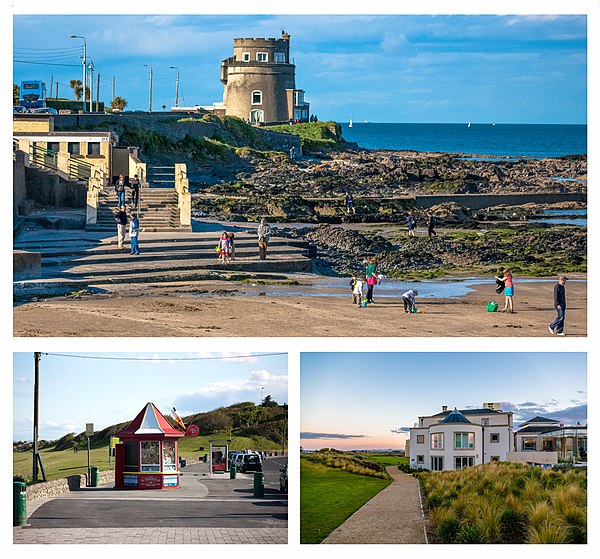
{"x":329,"y":496}
{"x":386,"y":459}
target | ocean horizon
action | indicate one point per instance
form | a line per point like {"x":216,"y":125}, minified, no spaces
{"x":499,"y":140}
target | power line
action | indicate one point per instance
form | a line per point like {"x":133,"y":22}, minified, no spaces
{"x":97,"y":357}
{"x":47,"y":63}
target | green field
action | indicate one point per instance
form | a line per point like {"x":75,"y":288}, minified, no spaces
{"x":387,"y":459}
{"x":328,"y":496}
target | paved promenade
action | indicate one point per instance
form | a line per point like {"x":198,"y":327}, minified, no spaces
{"x":150,"y":535}
{"x":393,"y":516}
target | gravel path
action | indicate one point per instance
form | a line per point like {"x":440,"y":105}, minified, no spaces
{"x":392,"y":516}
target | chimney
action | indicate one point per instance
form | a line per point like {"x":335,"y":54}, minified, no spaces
{"x":444,"y":409}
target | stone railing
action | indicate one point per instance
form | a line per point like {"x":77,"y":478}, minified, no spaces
{"x":184,"y":199}
{"x":49,"y":489}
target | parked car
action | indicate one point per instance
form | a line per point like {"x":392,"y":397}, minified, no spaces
{"x":249,"y":463}
{"x":234,"y":458}
{"x":283,"y":479}
{"x":19,"y":109}
{"x":44,"y":110}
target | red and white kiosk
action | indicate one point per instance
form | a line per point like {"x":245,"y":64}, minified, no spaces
{"x":147,"y":457}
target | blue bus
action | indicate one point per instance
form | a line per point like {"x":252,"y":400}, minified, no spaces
{"x":33,"y":94}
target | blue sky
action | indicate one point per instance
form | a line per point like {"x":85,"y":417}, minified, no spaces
{"x":368,"y":400}
{"x":403,"y":68}
{"x":76,"y":391}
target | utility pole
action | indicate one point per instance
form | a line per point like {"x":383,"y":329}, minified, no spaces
{"x":91,"y":85}
{"x":84,"y":65}
{"x":37,"y":459}
{"x":97,"y":91}
{"x":113,"y":90}
{"x":51,"y":85}
{"x":150,"y":93}
{"x":56,"y":96}
{"x":176,"y":85}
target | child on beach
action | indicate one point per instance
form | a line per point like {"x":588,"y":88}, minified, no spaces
{"x":411,"y":224}
{"x":134,"y":229}
{"x":225,"y":246}
{"x":409,"y":300}
{"x":509,"y":290}
{"x":352,"y":283}
{"x":231,"y":236}
{"x":357,"y":291}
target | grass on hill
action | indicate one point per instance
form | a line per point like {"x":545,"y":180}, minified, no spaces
{"x":506,"y":503}
{"x":329,"y":496}
{"x":314,"y":136}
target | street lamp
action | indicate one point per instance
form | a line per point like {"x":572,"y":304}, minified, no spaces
{"x":91,"y":69}
{"x":84,"y":64}
{"x":150,"y":94}
{"x":176,"y":85}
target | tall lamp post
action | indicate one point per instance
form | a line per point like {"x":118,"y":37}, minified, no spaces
{"x":176,"y":85}
{"x":150,"y":94}
{"x":91,"y":69}
{"x":84,"y":65}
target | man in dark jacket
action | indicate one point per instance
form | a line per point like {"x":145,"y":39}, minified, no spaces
{"x":121,"y":219}
{"x":560,"y":304}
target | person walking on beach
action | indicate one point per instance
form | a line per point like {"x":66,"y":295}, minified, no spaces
{"x":372,"y":279}
{"x":509,"y":290}
{"x":231,"y":236}
{"x":135,"y":191}
{"x":134,"y":231}
{"x":409,"y":300}
{"x":560,"y":304}
{"x":357,"y":292}
{"x":411,"y":223}
{"x":431,"y":223}
{"x":224,"y":247}
{"x":120,"y":185}
{"x":121,"y":219}
{"x":264,"y":234}
{"x":349,"y":203}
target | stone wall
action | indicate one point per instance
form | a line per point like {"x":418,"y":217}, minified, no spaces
{"x":19,"y":182}
{"x":48,"y":189}
{"x":533,"y":457}
{"x":49,"y":489}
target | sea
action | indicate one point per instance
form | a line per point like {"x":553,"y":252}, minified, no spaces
{"x":501,"y":140}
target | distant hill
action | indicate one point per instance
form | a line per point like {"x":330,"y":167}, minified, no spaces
{"x":266,"y":422}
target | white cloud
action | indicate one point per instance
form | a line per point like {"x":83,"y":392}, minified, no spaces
{"x":21,"y":380}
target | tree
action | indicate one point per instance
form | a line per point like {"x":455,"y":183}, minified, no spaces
{"x":77,"y":88}
{"x":268,"y":402}
{"x":118,"y":103}
{"x":16,"y":94}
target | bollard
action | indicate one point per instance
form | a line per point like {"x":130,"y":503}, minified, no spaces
{"x":94,"y":476}
{"x":19,"y":503}
{"x":259,"y":484}
{"x":232,"y":472}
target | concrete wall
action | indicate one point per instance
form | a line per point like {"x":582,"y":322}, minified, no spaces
{"x":49,"y":489}
{"x":19,"y":182}
{"x":50,"y":190}
{"x":533,"y":457}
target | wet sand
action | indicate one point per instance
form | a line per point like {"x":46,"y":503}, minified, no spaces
{"x":131,"y":314}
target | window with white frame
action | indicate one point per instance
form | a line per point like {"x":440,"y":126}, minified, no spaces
{"x":420,"y":439}
{"x":257,"y":97}
{"x":437,"y":463}
{"x":485,"y":421}
{"x":494,"y":437}
{"x":464,"y":440}
{"x":262,"y":57}
{"x":495,"y":458}
{"x":461,"y":462}
{"x":420,"y":458}
{"x":279,"y":56}
{"x":437,"y":441}
{"x":246,"y":57}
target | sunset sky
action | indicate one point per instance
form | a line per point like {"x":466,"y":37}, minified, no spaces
{"x":369,"y":400}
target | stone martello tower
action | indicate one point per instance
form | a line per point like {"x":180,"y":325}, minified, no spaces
{"x":260,"y":82}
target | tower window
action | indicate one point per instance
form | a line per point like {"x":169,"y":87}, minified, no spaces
{"x":279,"y":57}
{"x":262,"y":57}
{"x":246,"y":56}
{"x":257,"y":97}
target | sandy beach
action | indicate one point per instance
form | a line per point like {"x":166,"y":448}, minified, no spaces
{"x":224,"y":311}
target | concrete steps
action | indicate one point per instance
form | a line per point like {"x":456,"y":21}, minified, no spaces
{"x":158,"y":211}
{"x":73,"y":264}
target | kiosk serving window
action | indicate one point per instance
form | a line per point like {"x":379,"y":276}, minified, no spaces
{"x":169,"y":464}
{"x":150,"y":456}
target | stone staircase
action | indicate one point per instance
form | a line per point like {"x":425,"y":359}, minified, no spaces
{"x":71,"y":264}
{"x":158,"y":210}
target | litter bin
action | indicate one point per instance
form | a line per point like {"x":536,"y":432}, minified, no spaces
{"x":19,"y":503}
{"x":232,"y":472}
{"x":205,"y":458}
{"x":259,"y":484}
{"x":94,"y":476}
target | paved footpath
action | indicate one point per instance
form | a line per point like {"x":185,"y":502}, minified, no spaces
{"x":393,"y":516}
{"x":151,"y":535}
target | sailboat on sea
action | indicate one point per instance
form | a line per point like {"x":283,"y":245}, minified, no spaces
{"x":469,"y":125}
{"x":350,"y":123}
